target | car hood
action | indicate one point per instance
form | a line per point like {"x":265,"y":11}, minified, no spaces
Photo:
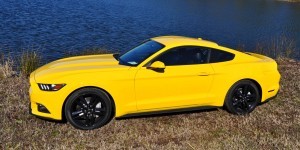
{"x":79,"y":64}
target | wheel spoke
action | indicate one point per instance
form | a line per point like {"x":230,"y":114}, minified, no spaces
{"x":80,"y":104}
{"x":94,"y":102}
{"x":246,"y":106}
{"x":100,"y":109}
{"x":237,"y":105}
{"x":77,"y":114}
{"x":240,"y":105}
{"x":92,"y":120}
{"x":251,"y":98}
{"x":82,"y":101}
{"x":87,"y":121}
{"x":99,"y":113}
{"x":239,"y":92}
{"x":235,"y":101}
{"x":245,"y":90}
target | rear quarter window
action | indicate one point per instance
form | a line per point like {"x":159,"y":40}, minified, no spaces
{"x":220,"y":56}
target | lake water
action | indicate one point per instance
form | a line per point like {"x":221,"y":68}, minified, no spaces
{"x":61,"y":26}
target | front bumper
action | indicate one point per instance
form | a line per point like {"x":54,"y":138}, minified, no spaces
{"x":46,"y":104}
{"x":42,"y":117}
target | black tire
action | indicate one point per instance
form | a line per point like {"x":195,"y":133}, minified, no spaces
{"x":88,"y":109}
{"x":242,"y":97}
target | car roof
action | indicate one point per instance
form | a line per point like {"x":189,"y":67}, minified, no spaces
{"x":181,"y":40}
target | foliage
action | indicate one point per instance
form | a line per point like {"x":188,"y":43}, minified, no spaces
{"x":29,"y":61}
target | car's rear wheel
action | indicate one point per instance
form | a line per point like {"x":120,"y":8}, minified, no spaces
{"x":242,"y":98}
{"x":88,"y":108}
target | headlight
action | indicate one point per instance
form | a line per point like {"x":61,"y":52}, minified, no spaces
{"x":50,"y":87}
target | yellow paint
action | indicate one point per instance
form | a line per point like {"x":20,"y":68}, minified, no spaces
{"x":141,"y":89}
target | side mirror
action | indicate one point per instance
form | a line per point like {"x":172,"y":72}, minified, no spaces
{"x":157,"y":65}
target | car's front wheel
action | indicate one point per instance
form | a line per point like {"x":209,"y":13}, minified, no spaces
{"x":88,"y":109}
{"x":242,"y":98}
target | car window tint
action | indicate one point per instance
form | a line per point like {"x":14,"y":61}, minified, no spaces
{"x":184,"y":56}
{"x":137,"y":55}
{"x":220,"y":56}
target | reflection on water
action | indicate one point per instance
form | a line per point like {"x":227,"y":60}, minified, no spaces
{"x":58,"y":26}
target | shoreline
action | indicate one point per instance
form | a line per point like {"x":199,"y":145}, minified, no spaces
{"x":289,"y":1}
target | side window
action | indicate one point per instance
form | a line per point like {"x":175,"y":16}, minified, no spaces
{"x":220,"y":56}
{"x":184,"y":56}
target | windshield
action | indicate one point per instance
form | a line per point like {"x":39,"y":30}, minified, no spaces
{"x":137,"y":55}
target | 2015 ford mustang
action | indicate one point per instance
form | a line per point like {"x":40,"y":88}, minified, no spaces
{"x":162,"y":74}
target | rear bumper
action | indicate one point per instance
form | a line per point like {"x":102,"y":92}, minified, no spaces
{"x":270,"y":82}
{"x":271,"y":93}
{"x":267,"y":100}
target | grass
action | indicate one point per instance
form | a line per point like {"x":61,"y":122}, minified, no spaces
{"x":276,"y":48}
{"x":6,"y":67}
{"x":273,"y":125}
{"x":29,"y":61}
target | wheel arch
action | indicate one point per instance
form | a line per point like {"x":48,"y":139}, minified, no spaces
{"x":109,"y":95}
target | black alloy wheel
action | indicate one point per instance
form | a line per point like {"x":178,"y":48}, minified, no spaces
{"x":242,"y":97}
{"x":88,"y":109}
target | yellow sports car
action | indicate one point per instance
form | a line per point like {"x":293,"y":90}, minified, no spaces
{"x":162,"y":74}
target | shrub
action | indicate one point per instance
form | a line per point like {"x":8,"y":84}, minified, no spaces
{"x":278,"y":47}
{"x":29,"y":61}
{"x":6,"y":67}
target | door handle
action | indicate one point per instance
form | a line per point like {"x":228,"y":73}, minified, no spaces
{"x":203,"y":74}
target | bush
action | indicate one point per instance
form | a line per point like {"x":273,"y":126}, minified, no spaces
{"x":29,"y":61}
{"x":278,"y":47}
{"x":6,"y":67}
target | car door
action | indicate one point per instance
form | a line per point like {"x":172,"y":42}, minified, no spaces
{"x":185,"y":81}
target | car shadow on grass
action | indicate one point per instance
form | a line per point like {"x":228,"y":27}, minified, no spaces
{"x":146,"y":115}
{"x":63,"y":121}
{"x":168,"y":113}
